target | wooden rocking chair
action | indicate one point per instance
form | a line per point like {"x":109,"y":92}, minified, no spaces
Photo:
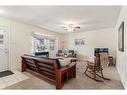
{"x":95,"y":68}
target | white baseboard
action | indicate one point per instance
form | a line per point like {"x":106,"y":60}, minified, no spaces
{"x":124,"y":82}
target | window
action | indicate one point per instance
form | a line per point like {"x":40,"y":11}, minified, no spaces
{"x":52,"y":44}
{"x":39,"y":45}
{"x":42,"y":43}
{"x":1,"y":39}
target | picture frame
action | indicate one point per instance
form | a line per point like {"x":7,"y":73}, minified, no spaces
{"x":121,"y":37}
{"x":82,"y":41}
{"x":79,"y":41}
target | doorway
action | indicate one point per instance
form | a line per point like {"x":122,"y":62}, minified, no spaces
{"x":4,"y":48}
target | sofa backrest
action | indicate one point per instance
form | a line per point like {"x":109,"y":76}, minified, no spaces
{"x":46,"y":60}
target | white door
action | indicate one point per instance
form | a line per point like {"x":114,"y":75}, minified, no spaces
{"x":4,"y":64}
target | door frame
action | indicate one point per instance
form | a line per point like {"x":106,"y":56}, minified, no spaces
{"x":8,"y":38}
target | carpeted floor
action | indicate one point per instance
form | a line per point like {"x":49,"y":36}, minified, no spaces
{"x":80,"y":82}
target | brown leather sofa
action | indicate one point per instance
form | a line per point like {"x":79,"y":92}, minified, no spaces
{"x":49,"y":69}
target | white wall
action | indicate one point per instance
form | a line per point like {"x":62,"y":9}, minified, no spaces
{"x":93,"y":39}
{"x":122,"y":56}
{"x":20,"y":40}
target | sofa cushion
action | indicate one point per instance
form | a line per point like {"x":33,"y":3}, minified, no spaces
{"x":61,"y":54}
{"x":64,"y":62}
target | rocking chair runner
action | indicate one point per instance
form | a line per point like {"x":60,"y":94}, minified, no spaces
{"x":95,"y":68}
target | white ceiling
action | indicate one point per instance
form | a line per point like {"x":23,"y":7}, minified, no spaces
{"x":55,"y":17}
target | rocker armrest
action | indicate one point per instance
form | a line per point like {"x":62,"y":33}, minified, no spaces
{"x":88,"y":62}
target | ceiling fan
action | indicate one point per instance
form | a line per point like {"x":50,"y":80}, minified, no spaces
{"x":71,"y":28}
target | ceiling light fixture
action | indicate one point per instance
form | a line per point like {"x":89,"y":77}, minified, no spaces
{"x":71,"y":27}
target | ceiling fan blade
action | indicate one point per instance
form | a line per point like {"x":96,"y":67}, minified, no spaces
{"x":76,"y":27}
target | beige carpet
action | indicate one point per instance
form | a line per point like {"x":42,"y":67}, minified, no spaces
{"x":80,"y":82}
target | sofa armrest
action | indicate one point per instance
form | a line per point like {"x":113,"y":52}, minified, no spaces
{"x":64,"y":68}
{"x":75,"y":55}
{"x":59,"y":75}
